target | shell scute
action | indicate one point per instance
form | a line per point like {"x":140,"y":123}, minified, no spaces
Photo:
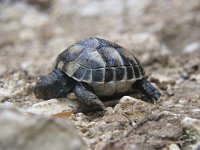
{"x":129,"y":70}
{"x":88,"y":76}
{"x":80,"y":73}
{"x":120,"y":73}
{"x":71,"y":53}
{"x":98,"y":75}
{"x":90,"y":59}
{"x":136,"y":71}
{"x":111,"y":57}
{"x":109,"y":74}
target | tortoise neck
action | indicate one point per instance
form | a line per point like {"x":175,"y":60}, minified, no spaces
{"x":61,"y":76}
{"x":66,"y":82}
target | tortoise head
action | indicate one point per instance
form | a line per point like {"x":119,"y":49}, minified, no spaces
{"x":55,"y":85}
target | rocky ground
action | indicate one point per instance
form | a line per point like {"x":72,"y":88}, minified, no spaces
{"x":163,"y":35}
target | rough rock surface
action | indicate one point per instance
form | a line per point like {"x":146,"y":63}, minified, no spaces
{"x":22,"y":131}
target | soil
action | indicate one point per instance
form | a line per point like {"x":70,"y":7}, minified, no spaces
{"x":164,"y":36}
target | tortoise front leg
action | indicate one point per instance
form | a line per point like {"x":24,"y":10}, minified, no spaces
{"x":87,"y":97}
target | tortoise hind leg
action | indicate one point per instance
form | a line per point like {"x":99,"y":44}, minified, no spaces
{"x":150,"y":92}
{"x":87,"y":97}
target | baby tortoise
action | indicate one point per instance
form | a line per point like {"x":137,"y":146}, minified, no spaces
{"x":94,"y":68}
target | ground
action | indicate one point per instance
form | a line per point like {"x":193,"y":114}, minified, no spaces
{"x":164,"y":36}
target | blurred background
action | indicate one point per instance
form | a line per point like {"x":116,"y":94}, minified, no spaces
{"x":34,"y":32}
{"x":163,"y":34}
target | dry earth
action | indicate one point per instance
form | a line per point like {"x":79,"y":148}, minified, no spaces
{"x":164,"y":35}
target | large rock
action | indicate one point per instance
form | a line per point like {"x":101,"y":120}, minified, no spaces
{"x":24,"y":131}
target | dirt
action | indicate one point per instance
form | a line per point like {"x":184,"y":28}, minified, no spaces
{"x":164,"y":36}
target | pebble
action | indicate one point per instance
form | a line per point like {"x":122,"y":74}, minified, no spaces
{"x":126,"y":99}
{"x":179,"y":106}
{"x":110,"y":111}
{"x":169,"y":91}
{"x":185,"y":75}
{"x":193,"y":126}
{"x":195,"y":78}
{"x":179,"y":81}
{"x":79,"y":116}
{"x":183,"y":101}
{"x":174,"y":147}
{"x":196,"y":110}
{"x":192,"y":47}
{"x":53,"y":106}
{"x":132,"y":146}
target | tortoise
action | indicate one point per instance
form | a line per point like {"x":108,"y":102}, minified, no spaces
{"x":95,"y":68}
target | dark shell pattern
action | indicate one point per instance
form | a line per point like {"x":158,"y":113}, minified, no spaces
{"x":107,"y":67}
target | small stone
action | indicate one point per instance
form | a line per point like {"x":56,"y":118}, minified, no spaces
{"x":102,"y":125}
{"x":195,"y":78}
{"x":169,"y":90}
{"x":193,"y":128}
{"x":192,"y":47}
{"x":192,"y":124}
{"x":185,"y":75}
{"x":196,"y":110}
{"x":79,"y":116}
{"x":21,"y":82}
{"x":165,"y":50}
{"x":179,"y":106}
{"x":126,"y":99}
{"x":174,"y":147}
{"x":171,"y":114}
{"x":192,"y":66}
{"x":132,"y":146}
{"x":53,"y":106}
{"x":110,"y":110}
{"x":179,"y":81}
{"x":16,"y":76}
{"x":183,"y":101}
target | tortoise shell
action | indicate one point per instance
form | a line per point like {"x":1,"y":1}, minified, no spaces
{"x":105,"y":66}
